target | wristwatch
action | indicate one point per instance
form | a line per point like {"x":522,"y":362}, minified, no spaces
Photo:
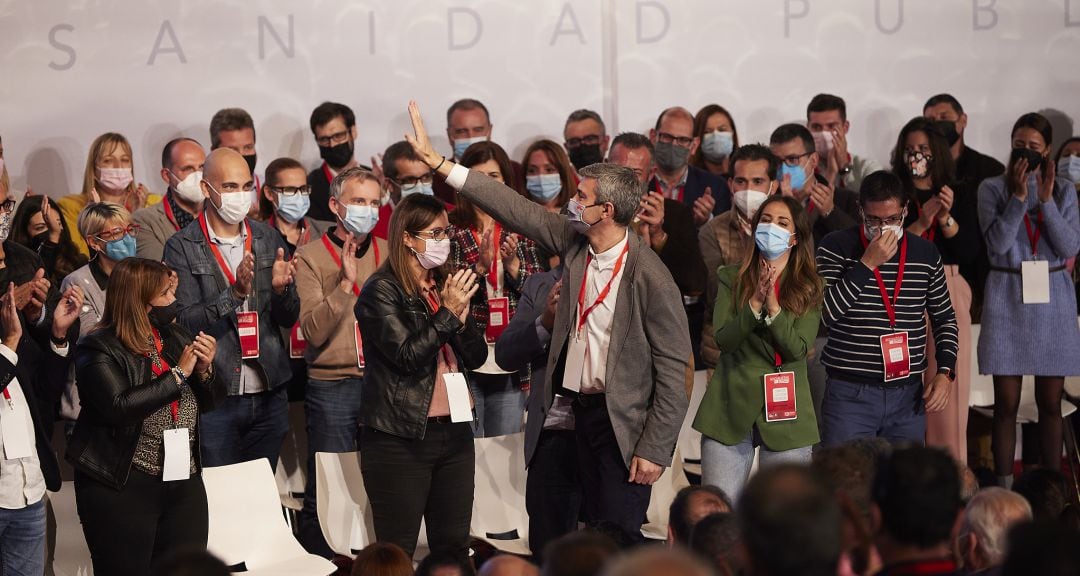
{"x":948,"y":372}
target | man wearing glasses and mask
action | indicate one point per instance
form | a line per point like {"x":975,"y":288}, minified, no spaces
{"x":334,"y":128}
{"x":673,"y":143}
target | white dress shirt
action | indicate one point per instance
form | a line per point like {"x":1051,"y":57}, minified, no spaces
{"x":598,"y":325}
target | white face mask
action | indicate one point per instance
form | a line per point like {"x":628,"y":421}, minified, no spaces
{"x":234,"y":205}
{"x":823,"y":141}
{"x":188,"y":189}
{"x":435,"y":253}
{"x":748,"y":202}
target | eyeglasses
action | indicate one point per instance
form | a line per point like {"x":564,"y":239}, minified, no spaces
{"x":666,"y":138}
{"x":414,"y":180}
{"x":8,"y":206}
{"x":333,"y":139}
{"x":795,"y":159}
{"x":875,"y":222}
{"x":292,"y":190}
{"x":590,"y":140}
{"x":118,"y":233}
{"x":435,"y":233}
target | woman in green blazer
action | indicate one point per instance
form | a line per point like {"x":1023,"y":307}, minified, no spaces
{"x":766,"y":317}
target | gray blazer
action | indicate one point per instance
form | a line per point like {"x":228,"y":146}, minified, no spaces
{"x":650,"y":352}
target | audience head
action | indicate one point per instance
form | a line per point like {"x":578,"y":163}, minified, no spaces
{"x":467,"y":122}
{"x":382,"y":559}
{"x":657,"y":561}
{"x":1032,"y":136}
{"x":715,"y":130}
{"x":1043,"y":548}
{"x":334,"y":128}
{"x":405,"y":172}
{"x":673,"y":139}
{"x":285,"y":190}
{"x":689,"y":506}
{"x":781,"y":227}
{"x":826,"y":115}
{"x":489,"y":159}
{"x":585,"y":138}
{"x":233,"y":128}
{"x":790,"y":523}
{"x":634,"y":151}
{"x":916,"y":499}
{"x":716,"y":538}
{"x":108,"y":231}
{"x":581,"y":553}
{"x":1068,"y":160}
{"x":508,"y":565}
{"x":108,"y":166}
{"x":28,"y":226}
{"x":922,"y":151}
{"x":419,"y":233}
{"x":985,"y":523}
{"x":227,"y":184}
{"x":444,"y":563}
{"x":194,"y":563}
{"x":355,"y":197}
{"x":947,"y":113}
{"x":794,"y":146}
{"x":549,"y":176}
{"x":182,"y":162}
{"x":135,"y":285}
{"x":753,"y":179}
{"x":607,"y":195}
{"x":883,"y":203}
{"x":1045,"y":491}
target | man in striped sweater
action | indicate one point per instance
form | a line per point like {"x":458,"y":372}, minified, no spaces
{"x":879,"y":284}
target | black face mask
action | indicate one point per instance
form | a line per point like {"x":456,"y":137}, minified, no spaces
{"x":164,"y":315}
{"x":251,"y":158}
{"x":337,"y":156}
{"x":948,"y":129}
{"x":37,"y":240}
{"x":1034,"y":159}
{"x":585,"y":155}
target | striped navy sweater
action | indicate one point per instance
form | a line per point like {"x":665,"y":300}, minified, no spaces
{"x":856,"y":316}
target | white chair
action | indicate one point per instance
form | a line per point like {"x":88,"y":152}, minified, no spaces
{"x":343,"y":506}
{"x":66,"y":550}
{"x":690,"y":439}
{"x":247,"y":525}
{"x":499,"y":515}
{"x":663,"y":493}
{"x":291,"y":470}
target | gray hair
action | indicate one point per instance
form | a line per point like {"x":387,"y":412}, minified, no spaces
{"x":584,"y":114}
{"x":618,"y":185}
{"x":990,"y":515}
{"x":354,"y":173}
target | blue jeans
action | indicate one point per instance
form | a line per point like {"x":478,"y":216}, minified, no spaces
{"x":245,"y":427}
{"x":728,"y":467}
{"x":332,"y":412}
{"x":22,"y":540}
{"x":499,"y":402}
{"x":852,"y":410}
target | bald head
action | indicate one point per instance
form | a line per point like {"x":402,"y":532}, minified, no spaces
{"x":986,"y":523}
{"x":657,"y":561}
{"x":508,"y":565}
{"x":227,"y":171}
{"x":675,"y":113}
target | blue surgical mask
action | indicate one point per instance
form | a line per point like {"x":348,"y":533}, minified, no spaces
{"x":360,"y":219}
{"x":772,"y":240}
{"x":717,"y":145}
{"x":418,"y":188}
{"x":462,"y":144}
{"x":120,"y":248}
{"x":798,"y":175}
{"x":543,"y":187}
{"x":1069,"y":167}
{"x":293,"y":208}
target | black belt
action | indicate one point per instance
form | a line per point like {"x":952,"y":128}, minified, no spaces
{"x":590,"y":400}
{"x":439,"y":420}
{"x":1017,"y":270}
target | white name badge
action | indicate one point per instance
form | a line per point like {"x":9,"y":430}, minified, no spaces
{"x":457,"y":394}
{"x":575,"y":364}
{"x":15,"y":428}
{"x":1036,"y":280}
{"x":177,"y":455}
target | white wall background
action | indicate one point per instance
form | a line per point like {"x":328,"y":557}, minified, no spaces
{"x":154,"y":70}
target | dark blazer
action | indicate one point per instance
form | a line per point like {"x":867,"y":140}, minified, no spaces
{"x":844,"y":215}
{"x":697,"y":180}
{"x":118,"y":390}
{"x":682,"y":253}
{"x":401,"y":345}
{"x":650,"y":351}
{"x":520,"y":347}
{"x":207,"y":303}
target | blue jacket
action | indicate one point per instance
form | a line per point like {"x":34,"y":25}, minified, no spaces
{"x":697,"y":180}
{"x":207,"y":303}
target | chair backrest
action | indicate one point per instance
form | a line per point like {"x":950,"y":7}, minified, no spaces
{"x":690,"y":439}
{"x":343,"y":507}
{"x":66,"y":551}
{"x":246,"y":520}
{"x":663,"y":493}
{"x":499,"y":501}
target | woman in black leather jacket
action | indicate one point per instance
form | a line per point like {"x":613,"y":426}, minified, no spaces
{"x":142,"y":381}
{"x":415,"y":404}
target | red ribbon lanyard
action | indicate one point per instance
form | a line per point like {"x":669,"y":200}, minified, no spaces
{"x":776,"y":355}
{"x":158,"y":371}
{"x":890,"y":306}
{"x":1033,"y":235}
{"x":432,"y":299}
{"x":678,"y":192}
{"x":932,"y":230}
{"x":337,"y":259}
{"x":169,"y":213}
{"x":217,"y":253}
{"x":326,"y":172}
{"x":7,"y":396}
{"x":584,"y":315}
{"x":496,"y":235}
{"x":810,"y":207}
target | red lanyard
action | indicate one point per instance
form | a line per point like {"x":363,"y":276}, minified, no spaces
{"x":1033,"y":235}
{"x":305,"y":230}
{"x":678,"y":193}
{"x":217,"y":253}
{"x":7,"y":396}
{"x":932,"y":230}
{"x":776,"y":354}
{"x":337,"y":259}
{"x":326,"y":172}
{"x":169,"y":213}
{"x":159,"y":370}
{"x":584,"y":314}
{"x":493,"y":274}
{"x":432,"y":299}
{"x":890,"y":306}
{"x":810,"y":207}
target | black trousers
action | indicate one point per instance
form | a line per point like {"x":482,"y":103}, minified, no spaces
{"x":552,"y":489}
{"x":608,"y":495}
{"x":431,"y":478}
{"x":133,"y":530}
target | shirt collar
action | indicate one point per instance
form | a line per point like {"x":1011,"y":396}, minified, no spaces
{"x":607,"y":258}
{"x":222,"y":241}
